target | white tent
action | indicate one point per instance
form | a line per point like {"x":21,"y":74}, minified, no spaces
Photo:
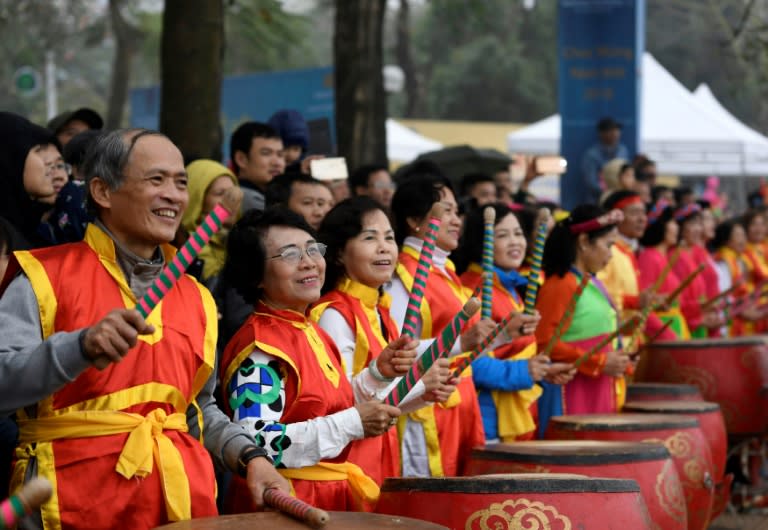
{"x":404,"y":144}
{"x":677,"y":130}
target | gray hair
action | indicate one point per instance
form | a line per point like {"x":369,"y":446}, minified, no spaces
{"x":107,"y":157}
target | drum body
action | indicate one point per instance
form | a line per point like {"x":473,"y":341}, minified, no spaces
{"x":649,"y":464}
{"x":553,"y":501}
{"x":712,"y":426}
{"x":663,"y":392}
{"x":275,"y":521}
{"x":730,"y":372}
{"x":679,"y":434}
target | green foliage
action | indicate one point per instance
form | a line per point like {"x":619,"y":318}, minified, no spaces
{"x":489,"y":60}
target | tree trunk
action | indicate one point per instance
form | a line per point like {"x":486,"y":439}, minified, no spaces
{"x":361,"y":105}
{"x":405,"y":59}
{"x":127,"y":40}
{"x":191,"y":56}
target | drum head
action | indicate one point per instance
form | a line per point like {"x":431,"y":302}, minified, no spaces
{"x":672,"y":406}
{"x":512,"y":483}
{"x":573,"y":452}
{"x":623,"y":422}
{"x":669,"y":389}
{"x":277,"y":521}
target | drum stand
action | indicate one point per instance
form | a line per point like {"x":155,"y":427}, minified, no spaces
{"x":748,"y":460}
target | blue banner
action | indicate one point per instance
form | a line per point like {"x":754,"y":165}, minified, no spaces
{"x":600,"y":48}
{"x":254,"y":97}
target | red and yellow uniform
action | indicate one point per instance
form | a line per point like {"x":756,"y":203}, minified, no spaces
{"x":367,"y":314}
{"x":315,"y":386}
{"x":453,"y":428}
{"x":738,"y":268}
{"x":125,"y":424}
{"x":516,"y":411}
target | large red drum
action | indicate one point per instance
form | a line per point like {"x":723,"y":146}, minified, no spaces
{"x":275,"y":521}
{"x":554,"y":501}
{"x":712,"y":425}
{"x":649,"y":464}
{"x":681,"y":435}
{"x":663,"y":392}
{"x":731,"y":372}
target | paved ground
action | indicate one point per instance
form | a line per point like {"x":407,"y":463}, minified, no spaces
{"x":740,"y":522}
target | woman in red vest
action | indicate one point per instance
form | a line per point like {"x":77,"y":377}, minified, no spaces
{"x":437,"y":440}
{"x":354,"y":311}
{"x":281,"y":374}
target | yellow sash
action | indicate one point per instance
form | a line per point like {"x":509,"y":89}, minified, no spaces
{"x":513,"y":408}
{"x":145,"y":445}
{"x":363,"y":487}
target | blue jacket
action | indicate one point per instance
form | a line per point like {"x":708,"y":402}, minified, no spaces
{"x":496,"y":374}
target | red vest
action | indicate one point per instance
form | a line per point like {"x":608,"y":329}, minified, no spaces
{"x":379,"y":456}
{"x":314,"y":385}
{"x":159,"y":377}
{"x":459,"y":428}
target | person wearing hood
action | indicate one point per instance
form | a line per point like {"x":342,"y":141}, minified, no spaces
{"x":293,"y":129}
{"x":208,"y":182}
{"x":27,"y":188}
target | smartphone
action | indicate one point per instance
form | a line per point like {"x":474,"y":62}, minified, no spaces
{"x":329,"y":168}
{"x":550,"y":165}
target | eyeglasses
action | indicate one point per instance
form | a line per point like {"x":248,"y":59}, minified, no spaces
{"x":60,"y":166}
{"x":384,"y":185}
{"x":293,"y":254}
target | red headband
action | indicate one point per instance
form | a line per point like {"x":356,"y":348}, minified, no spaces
{"x":626,"y":201}
{"x":611,"y":218}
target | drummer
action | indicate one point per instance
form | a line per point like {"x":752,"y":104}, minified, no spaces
{"x":282,"y":375}
{"x":436,"y":441}
{"x":354,"y":311}
{"x":506,"y":378}
{"x":578,"y":245}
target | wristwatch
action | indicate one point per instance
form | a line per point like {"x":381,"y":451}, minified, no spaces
{"x":248,"y":454}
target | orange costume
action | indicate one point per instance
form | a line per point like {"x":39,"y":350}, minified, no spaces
{"x":310,"y":374}
{"x":738,"y":269}
{"x":114,"y":442}
{"x":452,"y":428}
{"x":367,"y":313}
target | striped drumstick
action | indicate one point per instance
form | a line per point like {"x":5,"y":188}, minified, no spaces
{"x":480,"y":348}
{"x":189,"y":251}
{"x":567,"y":315}
{"x":31,"y":496}
{"x":489,"y":218}
{"x":296,"y":508}
{"x":534,"y":278}
{"x":412,"y":315}
{"x":184,"y":257}
{"x":627,"y":327}
{"x":440,"y":347}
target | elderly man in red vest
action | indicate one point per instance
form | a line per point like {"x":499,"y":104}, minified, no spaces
{"x":122,"y":445}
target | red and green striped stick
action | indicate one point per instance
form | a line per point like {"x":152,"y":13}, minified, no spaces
{"x":296,"y":508}
{"x":480,"y":348}
{"x":566,"y":318}
{"x":628,"y":327}
{"x":489,"y":218}
{"x":187,"y":254}
{"x":32,"y":495}
{"x":538,"y":252}
{"x":412,"y":315}
{"x":440,"y":347}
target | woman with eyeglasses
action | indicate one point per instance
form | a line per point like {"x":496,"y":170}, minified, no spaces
{"x":282,"y":375}
{"x":354,"y":310}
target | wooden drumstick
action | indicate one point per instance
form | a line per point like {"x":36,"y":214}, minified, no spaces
{"x":32,"y":495}
{"x":296,"y":508}
{"x":627,"y":327}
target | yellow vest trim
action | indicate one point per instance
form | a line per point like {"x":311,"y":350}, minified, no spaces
{"x":426,"y":417}
{"x":146,"y":444}
{"x":363,"y":487}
